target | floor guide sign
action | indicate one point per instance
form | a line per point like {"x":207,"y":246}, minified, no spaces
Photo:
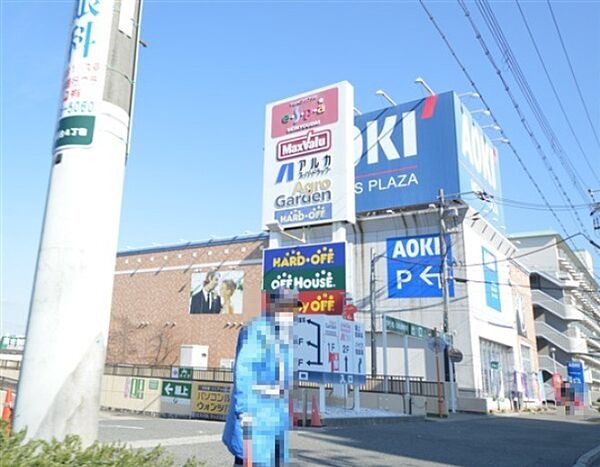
{"x":329,"y":349}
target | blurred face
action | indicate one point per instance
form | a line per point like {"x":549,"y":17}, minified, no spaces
{"x":212,"y":283}
{"x":225,"y":291}
{"x":286,"y":309}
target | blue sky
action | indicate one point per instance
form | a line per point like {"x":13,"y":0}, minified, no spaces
{"x":196,"y":164}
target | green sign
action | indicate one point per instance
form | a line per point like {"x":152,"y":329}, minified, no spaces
{"x":405,"y":328}
{"x":494,"y":365}
{"x":136,"y":388}
{"x":326,"y":278}
{"x":153,"y":384}
{"x":176,"y":389}
{"x":182,"y":372}
{"x":77,"y":130}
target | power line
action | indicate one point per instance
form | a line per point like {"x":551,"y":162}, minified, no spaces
{"x":509,"y":258}
{"x":523,"y":286}
{"x":513,"y":65}
{"x":533,"y":206}
{"x":564,"y":48}
{"x":517,"y":108}
{"x":556,"y":94}
{"x":492,"y":115}
{"x":524,"y":88}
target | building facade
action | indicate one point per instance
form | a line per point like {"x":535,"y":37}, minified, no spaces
{"x":151,"y":315}
{"x":566,"y":304}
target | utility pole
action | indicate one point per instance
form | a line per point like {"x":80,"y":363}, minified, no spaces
{"x":372,"y":309}
{"x":449,"y":373}
{"x":67,"y":330}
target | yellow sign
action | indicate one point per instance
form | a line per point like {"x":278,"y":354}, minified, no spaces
{"x":211,"y":400}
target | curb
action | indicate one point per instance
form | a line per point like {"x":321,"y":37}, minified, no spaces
{"x":588,"y":459}
{"x":357,"y":421}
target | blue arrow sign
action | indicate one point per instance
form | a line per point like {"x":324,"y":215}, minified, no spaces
{"x":414,"y":265}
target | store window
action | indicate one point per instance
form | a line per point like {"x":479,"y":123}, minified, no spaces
{"x":496,"y":369}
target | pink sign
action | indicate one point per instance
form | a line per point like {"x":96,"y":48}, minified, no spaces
{"x":305,"y":113}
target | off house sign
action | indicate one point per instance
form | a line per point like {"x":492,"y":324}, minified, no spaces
{"x":318,"y":271}
{"x":308,"y":159}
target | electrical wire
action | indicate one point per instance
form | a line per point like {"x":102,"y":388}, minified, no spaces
{"x":513,"y":66}
{"x":556,"y":94}
{"x":492,"y":115}
{"x":523,"y":120}
{"x":564,"y":48}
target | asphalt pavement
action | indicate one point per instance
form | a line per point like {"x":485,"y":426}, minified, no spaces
{"x":464,"y":440}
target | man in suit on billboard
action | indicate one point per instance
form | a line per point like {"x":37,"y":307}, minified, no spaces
{"x":207,"y":300}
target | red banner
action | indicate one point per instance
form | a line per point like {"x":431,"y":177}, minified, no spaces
{"x":328,"y":302}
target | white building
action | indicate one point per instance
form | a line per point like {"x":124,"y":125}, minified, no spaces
{"x":485,"y":314}
{"x":566,"y":302}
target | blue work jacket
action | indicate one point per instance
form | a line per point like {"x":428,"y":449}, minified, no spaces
{"x":259,"y":354}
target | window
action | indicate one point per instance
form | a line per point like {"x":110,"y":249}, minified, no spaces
{"x":496,"y":369}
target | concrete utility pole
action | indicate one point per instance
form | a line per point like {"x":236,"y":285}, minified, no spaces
{"x":446,"y":294}
{"x":63,"y":363}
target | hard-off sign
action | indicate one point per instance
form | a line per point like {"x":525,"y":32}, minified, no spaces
{"x":329,"y":349}
{"x":414,"y":266}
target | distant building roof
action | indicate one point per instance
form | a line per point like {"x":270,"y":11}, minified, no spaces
{"x":539,"y":233}
{"x":204,"y":243}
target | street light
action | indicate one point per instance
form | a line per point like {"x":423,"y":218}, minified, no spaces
{"x":422,"y":82}
{"x":493,"y":126}
{"x":473,"y":94}
{"x":382,"y":93}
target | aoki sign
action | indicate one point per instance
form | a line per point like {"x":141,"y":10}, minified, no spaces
{"x":308,"y":158}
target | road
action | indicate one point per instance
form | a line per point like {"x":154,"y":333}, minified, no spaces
{"x":465,"y":440}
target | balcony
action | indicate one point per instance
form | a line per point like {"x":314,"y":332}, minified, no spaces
{"x":556,"y":307}
{"x":547,"y":364}
{"x":559,"y":339}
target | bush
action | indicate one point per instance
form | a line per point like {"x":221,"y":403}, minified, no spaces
{"x":15,"y":451}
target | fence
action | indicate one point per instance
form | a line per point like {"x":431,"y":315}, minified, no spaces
{"x":376,"y":384}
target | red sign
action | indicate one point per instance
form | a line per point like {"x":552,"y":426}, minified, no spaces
{"x":556,"y":384}
{"x":305,"y":113}
{"x":349,"y":312}
{"x":327,"y":302}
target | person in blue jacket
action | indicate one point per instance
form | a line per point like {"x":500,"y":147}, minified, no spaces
{"x":258,"y":421}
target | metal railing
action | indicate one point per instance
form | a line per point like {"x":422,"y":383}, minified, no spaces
{"x":396,"y":384}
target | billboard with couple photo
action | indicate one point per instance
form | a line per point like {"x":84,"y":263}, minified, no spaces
{"x":217,"y":292}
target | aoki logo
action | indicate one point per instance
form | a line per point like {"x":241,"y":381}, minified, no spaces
{"x":378,"y":135}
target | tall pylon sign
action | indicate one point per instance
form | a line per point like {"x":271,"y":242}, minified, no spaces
{"x":67,"y":331}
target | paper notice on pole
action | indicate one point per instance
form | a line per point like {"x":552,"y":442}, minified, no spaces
{"x":85,"y":75}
